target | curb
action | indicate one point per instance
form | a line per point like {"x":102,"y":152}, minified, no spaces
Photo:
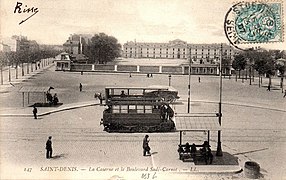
{"x":49,"y":112}
{"x":217,"y":169}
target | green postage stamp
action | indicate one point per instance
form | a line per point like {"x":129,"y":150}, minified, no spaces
{"x":254,"y":22}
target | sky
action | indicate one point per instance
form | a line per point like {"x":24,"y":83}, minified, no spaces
{"x":194,"y":21}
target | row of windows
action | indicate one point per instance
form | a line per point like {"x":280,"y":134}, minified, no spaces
{"x":131,"y":109}
{"x":155,"y":49}
{"x":183,"y":50}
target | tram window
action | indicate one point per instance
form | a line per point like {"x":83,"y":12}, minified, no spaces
{"x":124,"y":109}
{"x":148,"y":109}
{"x":116,"y":109}
{"x":132,"y":109}
{"x":140,"y":109}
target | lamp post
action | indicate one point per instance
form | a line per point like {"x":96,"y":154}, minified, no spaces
{"x":1,"y":74}
{"x":170,"y":79}
{"x":219,"y":150}
{"x":189,"y":87}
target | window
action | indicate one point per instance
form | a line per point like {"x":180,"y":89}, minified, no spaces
{"x":115,"y":109}
{"x":140,"y":109}
{"x":148,"y":109}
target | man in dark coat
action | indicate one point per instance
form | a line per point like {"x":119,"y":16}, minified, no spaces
{"x":49,"y":148}
{"x":35,"y":111}
{"x":146,"y":148}
{"x":80,"y":87}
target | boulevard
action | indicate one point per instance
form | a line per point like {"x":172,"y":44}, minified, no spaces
{"x":253,"y":128}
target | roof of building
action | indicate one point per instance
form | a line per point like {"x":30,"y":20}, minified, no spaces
{"x":69,"y":43}
{"x":79,"y":57}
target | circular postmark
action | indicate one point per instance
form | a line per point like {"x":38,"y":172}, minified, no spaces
{"x":253,"y":22}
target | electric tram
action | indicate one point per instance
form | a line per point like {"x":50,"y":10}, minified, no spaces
{"x":134,"y":110}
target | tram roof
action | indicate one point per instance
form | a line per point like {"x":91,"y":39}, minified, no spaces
{"x":196,"y":122}
{"x":141,"y":88}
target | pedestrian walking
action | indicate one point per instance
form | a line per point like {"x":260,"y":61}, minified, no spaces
{"x":284,"y":94}
{"x":35,"y":111}
{"x":49,"y":148}
{"x":199,"y":79}
{"x":80,"y":87}
{"x":268,"y":87}
{"x":146,"y":147}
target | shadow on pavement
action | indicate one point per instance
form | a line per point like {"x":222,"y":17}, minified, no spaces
{"x":226,"y":159}
{"x":59,"y":156}
{"x":45,"y":105}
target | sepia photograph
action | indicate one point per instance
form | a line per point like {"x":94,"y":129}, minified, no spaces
{"x":142,"y":89}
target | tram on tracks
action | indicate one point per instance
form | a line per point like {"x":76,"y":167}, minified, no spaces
{"x":135,"y":109}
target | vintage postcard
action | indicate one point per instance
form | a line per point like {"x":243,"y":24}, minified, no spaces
{"x":142,"y":89}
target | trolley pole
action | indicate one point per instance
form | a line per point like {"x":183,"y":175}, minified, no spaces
{"x":219,"y":150}
{"x":189,"y":87}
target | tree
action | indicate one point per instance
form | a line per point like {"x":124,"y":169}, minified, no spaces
{"x":239,"y":63}
{"x":264,"y":64}
{"x":280,"y":66}
{"x":103,"y":48}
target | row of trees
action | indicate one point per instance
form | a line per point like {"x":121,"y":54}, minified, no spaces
{"x":30,"y":56}
{"x":264,"y":62}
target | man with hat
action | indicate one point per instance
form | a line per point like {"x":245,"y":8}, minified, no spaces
{"x":49,"y":148}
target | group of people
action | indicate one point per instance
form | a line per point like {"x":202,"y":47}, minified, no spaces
{"x":52,"y":99}
{"x":205,"y":151}
{"x":149,"y":75}
{"x":166,"y":112}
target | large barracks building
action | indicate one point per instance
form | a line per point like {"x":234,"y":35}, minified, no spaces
{"x":177,"y":49}
{"x":205,"y":57}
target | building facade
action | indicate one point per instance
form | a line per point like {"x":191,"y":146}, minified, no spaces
{"x":76,"y":43}
{"x":178,"y":49}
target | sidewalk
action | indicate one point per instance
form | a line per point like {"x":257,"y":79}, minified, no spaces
{"x":42,"y":111}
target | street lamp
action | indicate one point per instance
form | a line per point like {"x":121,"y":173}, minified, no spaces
{"x":170,"y":79}
{"x":219,"y":150}
{"x":189,"y":87}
